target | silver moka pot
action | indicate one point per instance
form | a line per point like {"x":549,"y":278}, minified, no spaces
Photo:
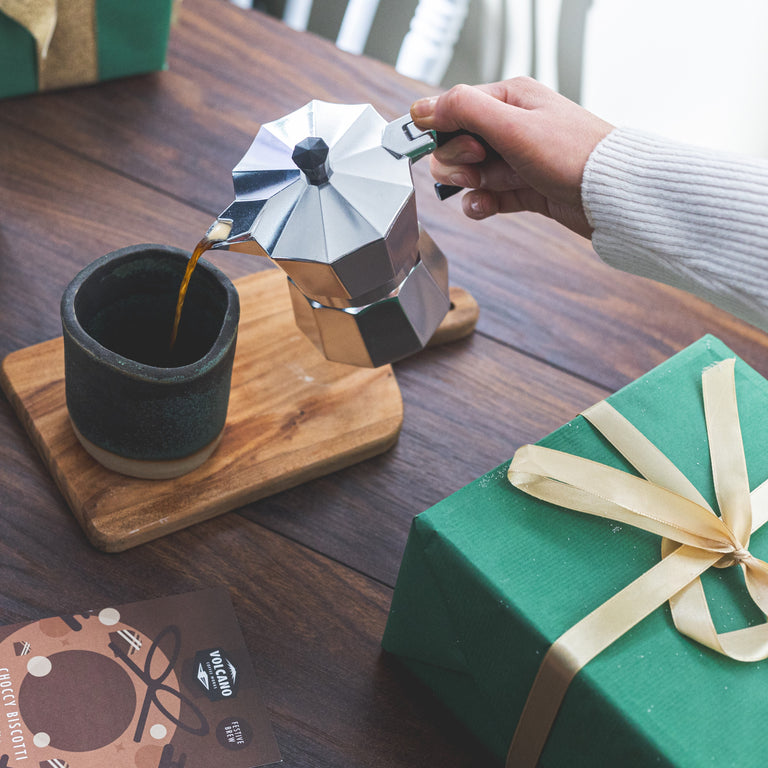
{"x":326,"y":192}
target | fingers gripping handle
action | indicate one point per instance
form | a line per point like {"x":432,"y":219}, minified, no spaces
{"x":444,"y":191}
{"x":403,"y":139}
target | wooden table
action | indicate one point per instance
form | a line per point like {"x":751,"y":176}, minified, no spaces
{"x":311,"y":570}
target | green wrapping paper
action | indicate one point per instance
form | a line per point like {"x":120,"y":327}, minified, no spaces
{"x":92,"y":40}
{"x":491,"y":577}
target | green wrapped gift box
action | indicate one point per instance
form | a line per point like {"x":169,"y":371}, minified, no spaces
{"x":491,"y":577}
{"x":91,"y":40}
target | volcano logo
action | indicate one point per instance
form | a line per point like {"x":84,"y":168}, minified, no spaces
{"x":216,"y":674}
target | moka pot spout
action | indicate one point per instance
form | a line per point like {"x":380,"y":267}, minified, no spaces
{"x":231,"y":232}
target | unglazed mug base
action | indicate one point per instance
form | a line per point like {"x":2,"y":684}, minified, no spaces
{"x":148,"y":470}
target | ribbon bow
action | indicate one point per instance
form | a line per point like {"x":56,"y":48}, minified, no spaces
{"x":666,"y":503}
{"x":65,"y":39}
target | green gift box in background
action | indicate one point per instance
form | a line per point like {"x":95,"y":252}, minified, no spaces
{"x":491,"y":577}
{"x":48,"y":44}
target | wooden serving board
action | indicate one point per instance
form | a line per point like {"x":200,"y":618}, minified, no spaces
{"x":293,"y":416}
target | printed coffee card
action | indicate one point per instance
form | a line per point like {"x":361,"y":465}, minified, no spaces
{"x":165,"y":683}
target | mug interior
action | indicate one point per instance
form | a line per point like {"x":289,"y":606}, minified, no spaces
{"x":128,"y":306}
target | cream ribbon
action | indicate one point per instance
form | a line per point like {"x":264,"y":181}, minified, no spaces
{"x":665,"y":502}
{"x":65,"y":39}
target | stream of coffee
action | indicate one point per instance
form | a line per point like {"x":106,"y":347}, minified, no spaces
{"x":218,"y":232}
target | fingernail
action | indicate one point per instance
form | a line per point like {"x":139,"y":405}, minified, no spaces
{"x":459,"y":179}
{"x":475,"y":204}
{"x":423,"y":107}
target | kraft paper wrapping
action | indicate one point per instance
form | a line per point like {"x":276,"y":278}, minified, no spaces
{"x":65,"y":39}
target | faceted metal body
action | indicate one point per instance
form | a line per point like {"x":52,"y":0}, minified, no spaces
{"x":385,"y":330}
{"x":326,"y":192}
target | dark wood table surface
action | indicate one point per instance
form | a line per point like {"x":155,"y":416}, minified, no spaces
{"x":310,"y":570}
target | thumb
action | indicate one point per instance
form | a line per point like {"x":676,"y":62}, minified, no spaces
{"x":468,"y":108}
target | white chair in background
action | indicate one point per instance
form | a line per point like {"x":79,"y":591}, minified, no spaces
{"x":514,"y":37}
{"x":427,"y":48}
{"x":355,"y":26}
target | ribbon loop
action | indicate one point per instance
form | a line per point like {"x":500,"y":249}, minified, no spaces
{"x":726,"y":449}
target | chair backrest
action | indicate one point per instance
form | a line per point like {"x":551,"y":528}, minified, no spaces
{"x":427,"y":48}
{"x":355,"y":26}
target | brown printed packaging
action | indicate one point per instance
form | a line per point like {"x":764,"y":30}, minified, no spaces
{"x":164,"y":683}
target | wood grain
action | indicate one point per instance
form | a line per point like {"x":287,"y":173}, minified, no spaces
{"x":293,"y":416}
{"x":468,"y":407}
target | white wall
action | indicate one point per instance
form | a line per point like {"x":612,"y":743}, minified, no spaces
{"x":696,"y":70}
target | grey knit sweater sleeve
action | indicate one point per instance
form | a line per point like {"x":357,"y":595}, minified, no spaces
{"x":690,"y":217}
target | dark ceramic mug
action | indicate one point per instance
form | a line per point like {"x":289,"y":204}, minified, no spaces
{"x":136,"y":406}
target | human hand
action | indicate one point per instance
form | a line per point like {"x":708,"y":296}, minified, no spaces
{"x":541,"y":143}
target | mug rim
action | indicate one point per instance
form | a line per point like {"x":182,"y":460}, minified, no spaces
{"x":125,"y":365}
